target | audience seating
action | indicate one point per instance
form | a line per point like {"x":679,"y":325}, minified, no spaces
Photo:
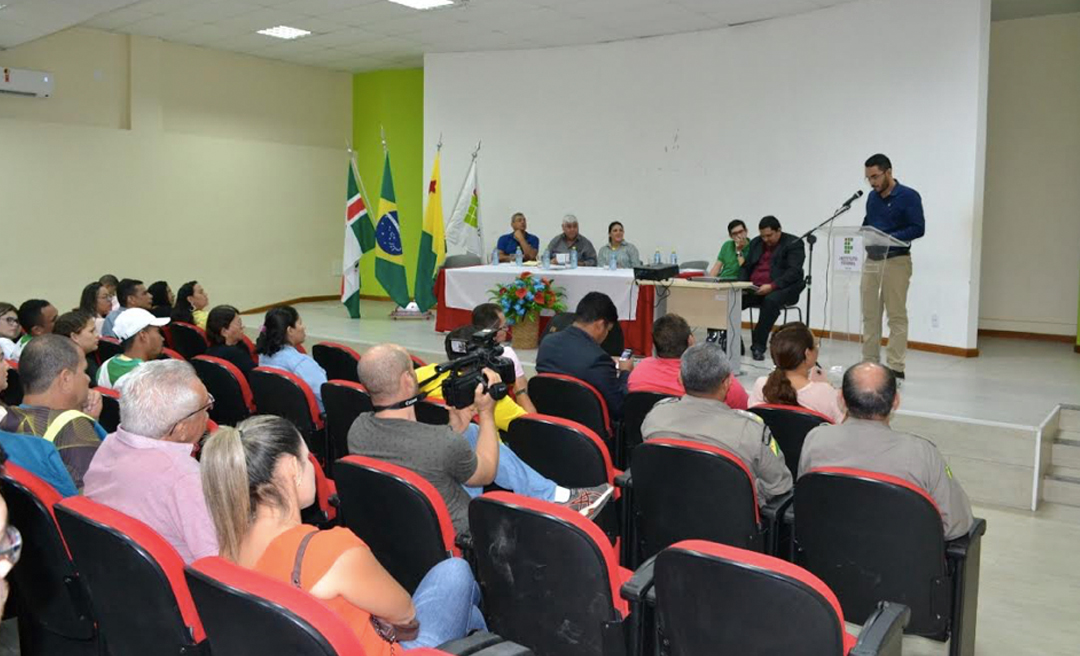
{"x":13,"y":394}
{"x":250,"y":346}
{"x":136,"y":581}
{"x":325,"y":510}
{"x":565,"y":451}
{"x":636,"y":406}
{"x":278,"y":392}
{"x":233,"y":400}
{"x":54,"y":610}
{"x":612,"y":345}
{"x":398,"y":513}
{"x":344,"y":401}
{"x":432,"y":411}
{"x":338,"y":360}
{"x":685,"y":490}
{"x":869,"y":537}
{"x":570,"y":398}
{"x":187,"y":339}
{"x":169,"y":354}
{"x":107,"y":348}
{"x":550,"y":578}
{"x":110,"y":409}
{"x":417,"y":362}
{"x":249,"y":614}
{"x":789,"y":425}
{"x":717,"y":599}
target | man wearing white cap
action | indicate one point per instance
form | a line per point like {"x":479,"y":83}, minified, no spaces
{"x":141,"y":339}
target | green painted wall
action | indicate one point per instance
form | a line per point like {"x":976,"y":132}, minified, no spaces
{"x":394,"y":100}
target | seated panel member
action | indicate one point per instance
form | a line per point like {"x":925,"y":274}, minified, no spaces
{"x":774,"y":263}
{"x":732,"y":253}
{"x":625,"y":253}
{"x":866,"y":441}
{"x":571,"y":239}
{"x":518,"y":237}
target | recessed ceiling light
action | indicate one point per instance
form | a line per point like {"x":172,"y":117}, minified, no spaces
{"x":424,"y":4}
{"x":284,"y":32}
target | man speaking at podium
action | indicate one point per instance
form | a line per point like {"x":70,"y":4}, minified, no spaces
{"x":897,"y":211}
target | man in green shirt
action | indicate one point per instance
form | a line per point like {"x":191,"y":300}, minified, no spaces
{"x":732,"y":254}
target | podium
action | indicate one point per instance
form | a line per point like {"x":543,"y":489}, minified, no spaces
{"x":857,"y":265}
{"x":704,"y":305}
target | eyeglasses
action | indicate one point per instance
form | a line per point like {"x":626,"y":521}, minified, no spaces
{"x":11,"y":545}
{"x":208,"y":407}
{"x":11,"y":320}
{"x":875,"y":177}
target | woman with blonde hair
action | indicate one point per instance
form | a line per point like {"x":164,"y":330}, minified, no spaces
{"x":256,"y":478}
{"x":796,"y":380}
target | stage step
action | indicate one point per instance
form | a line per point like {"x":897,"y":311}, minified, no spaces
{"x":1062,"y":489}
{"x":1066,"y":450}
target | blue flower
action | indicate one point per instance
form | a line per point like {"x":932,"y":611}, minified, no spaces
{"x":529,"y":296}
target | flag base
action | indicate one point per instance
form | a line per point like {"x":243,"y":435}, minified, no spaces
{"x":406,"y":313}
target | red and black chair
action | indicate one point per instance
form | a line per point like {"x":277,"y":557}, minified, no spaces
{"x":789,"y":425}
{"x":279,"y":392}
{"x":249,"y":614}
{"x":870,"y":536}
{"x":55,"y":616}
{"x":187,"y":339}
{"x":136,"y":581}
{"x":717,"y":599}
{"x":343,"y":401}
{"x":417,"y":362}
{"x":325,"y":510}
{"x":635,"y":407}
{"x":571,"y":398}
{"x":432,"y":411}
{"x":110,"y":409}
{"x":170,"y":354}
{"x":398,"y":513}
{"x":685,"y":490}
{"x":107,"y":348}
{"x":338,"y":360}
{"x":13,"y":394}
{"x":550,"y":578}
{"x":250,"y":346}
{"x":233,"y":400}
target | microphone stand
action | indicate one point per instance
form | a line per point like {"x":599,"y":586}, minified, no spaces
{"x":811,"y":239}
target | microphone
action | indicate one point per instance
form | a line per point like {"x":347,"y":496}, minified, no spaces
{"x":853,"y":198}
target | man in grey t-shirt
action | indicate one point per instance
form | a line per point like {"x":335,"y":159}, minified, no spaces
{"x":571,"y":239}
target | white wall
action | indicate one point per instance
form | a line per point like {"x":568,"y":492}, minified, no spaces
{"x":677,"y":135}
{"x":1031,"y":241}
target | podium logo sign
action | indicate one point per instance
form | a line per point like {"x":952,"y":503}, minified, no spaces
{"x":848,"y":254}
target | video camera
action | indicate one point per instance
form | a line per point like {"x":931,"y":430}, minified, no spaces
{"x":466,"y":371}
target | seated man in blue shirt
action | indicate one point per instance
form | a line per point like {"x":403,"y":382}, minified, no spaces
{"x":39,"y":457}
{"x":897,"y":211}
{"x":519,"y":238}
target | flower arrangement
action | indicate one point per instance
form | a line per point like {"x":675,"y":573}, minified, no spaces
{"x":526,"y":296}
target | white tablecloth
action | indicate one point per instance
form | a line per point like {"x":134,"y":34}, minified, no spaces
{"x":468,"y":287}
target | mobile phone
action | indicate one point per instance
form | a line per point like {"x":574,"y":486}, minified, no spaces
{"x":626,"y":354}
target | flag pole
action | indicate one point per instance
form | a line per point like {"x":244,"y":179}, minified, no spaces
{"x":479,"y":221}
{"x":356,"y":172}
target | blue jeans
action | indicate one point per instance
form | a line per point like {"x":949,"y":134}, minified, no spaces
{"x":513,"y":474}
{"x":446,"y":605}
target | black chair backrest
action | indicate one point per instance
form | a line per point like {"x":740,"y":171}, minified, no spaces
{"x":871,"y":537}
{"x":567,"y":397}
{"x":132,"y":595}
{"x":47,"y":586}
{"x":636,"y":406}
{"x":110,"y":410}
{"x":107,"y":348}
{"x":228,"y":386}
{"x":343,"y":401}
{"x":789,"y":426}
{"x":712,"y":599}
{"x":278,"y":392}
{"x":564,"y":451}
{"x":687,"y":490}
{"x":13,"y":395}
{"x":432,"y":412}
{"x":546,"y":580}
{"x":338,"y":360}
{"x":397,"y":513}
{"x":187,"y":340}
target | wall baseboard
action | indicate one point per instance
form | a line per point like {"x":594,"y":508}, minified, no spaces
{"x":1037,"y":337}
{"x":914,"y":346}
{"x":293,"y":301}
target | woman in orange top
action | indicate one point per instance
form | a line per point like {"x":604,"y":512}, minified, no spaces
{"x":257,"y":477}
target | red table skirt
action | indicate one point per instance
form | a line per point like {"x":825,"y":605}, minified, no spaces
{"x":637,"y":334}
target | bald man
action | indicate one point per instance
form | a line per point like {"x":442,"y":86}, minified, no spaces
{"x":865,"y":441}
{"x":459,"y":459}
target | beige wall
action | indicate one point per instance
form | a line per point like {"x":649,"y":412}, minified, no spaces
{"x":155,"y":160}
{"x":1031,"y":230}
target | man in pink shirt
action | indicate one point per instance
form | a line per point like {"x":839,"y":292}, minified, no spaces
{"x":145,"y":468}
{"x":671,"y":337}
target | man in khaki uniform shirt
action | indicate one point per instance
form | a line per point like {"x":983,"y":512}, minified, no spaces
{"x":865,"y":441}
{"x":702,"y":416}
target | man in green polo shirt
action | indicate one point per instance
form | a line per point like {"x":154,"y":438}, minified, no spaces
{"x":141,"y":339}
{"x":36,"y":317}
{"x":732,"y":254}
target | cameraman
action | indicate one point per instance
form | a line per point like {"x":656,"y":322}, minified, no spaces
{"x":489,"y":316}
{"x":459,"y":459}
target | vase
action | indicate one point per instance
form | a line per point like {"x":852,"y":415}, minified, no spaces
{"x":526,"y":334}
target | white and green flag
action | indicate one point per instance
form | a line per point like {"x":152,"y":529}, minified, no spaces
{"x":464,"y":229}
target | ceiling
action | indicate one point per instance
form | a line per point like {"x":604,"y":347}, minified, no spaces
{"x":359,"y":35}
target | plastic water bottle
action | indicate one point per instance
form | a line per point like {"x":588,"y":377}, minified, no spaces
{"x":518,"y":257}
{"x":573,"y":258}
{"x":495,"y":257}
{"x":674,"y":258}
{"x":545,"y":259}
{"x":657,"y":258}
{"x":611,"y":263}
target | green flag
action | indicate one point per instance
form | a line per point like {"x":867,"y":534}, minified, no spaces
{"x":359,"y":239}
{"x":389,"y":260}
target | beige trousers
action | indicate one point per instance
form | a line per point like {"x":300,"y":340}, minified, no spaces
{"x":885,"y":287}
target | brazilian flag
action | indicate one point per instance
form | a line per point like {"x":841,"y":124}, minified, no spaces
{"x":389,"y":262}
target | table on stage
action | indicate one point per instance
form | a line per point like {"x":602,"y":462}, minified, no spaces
{"x":704,"y":305}
{"x":460,"y":290}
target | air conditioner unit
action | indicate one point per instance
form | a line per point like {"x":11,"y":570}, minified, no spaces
{"x":21,"y":82}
